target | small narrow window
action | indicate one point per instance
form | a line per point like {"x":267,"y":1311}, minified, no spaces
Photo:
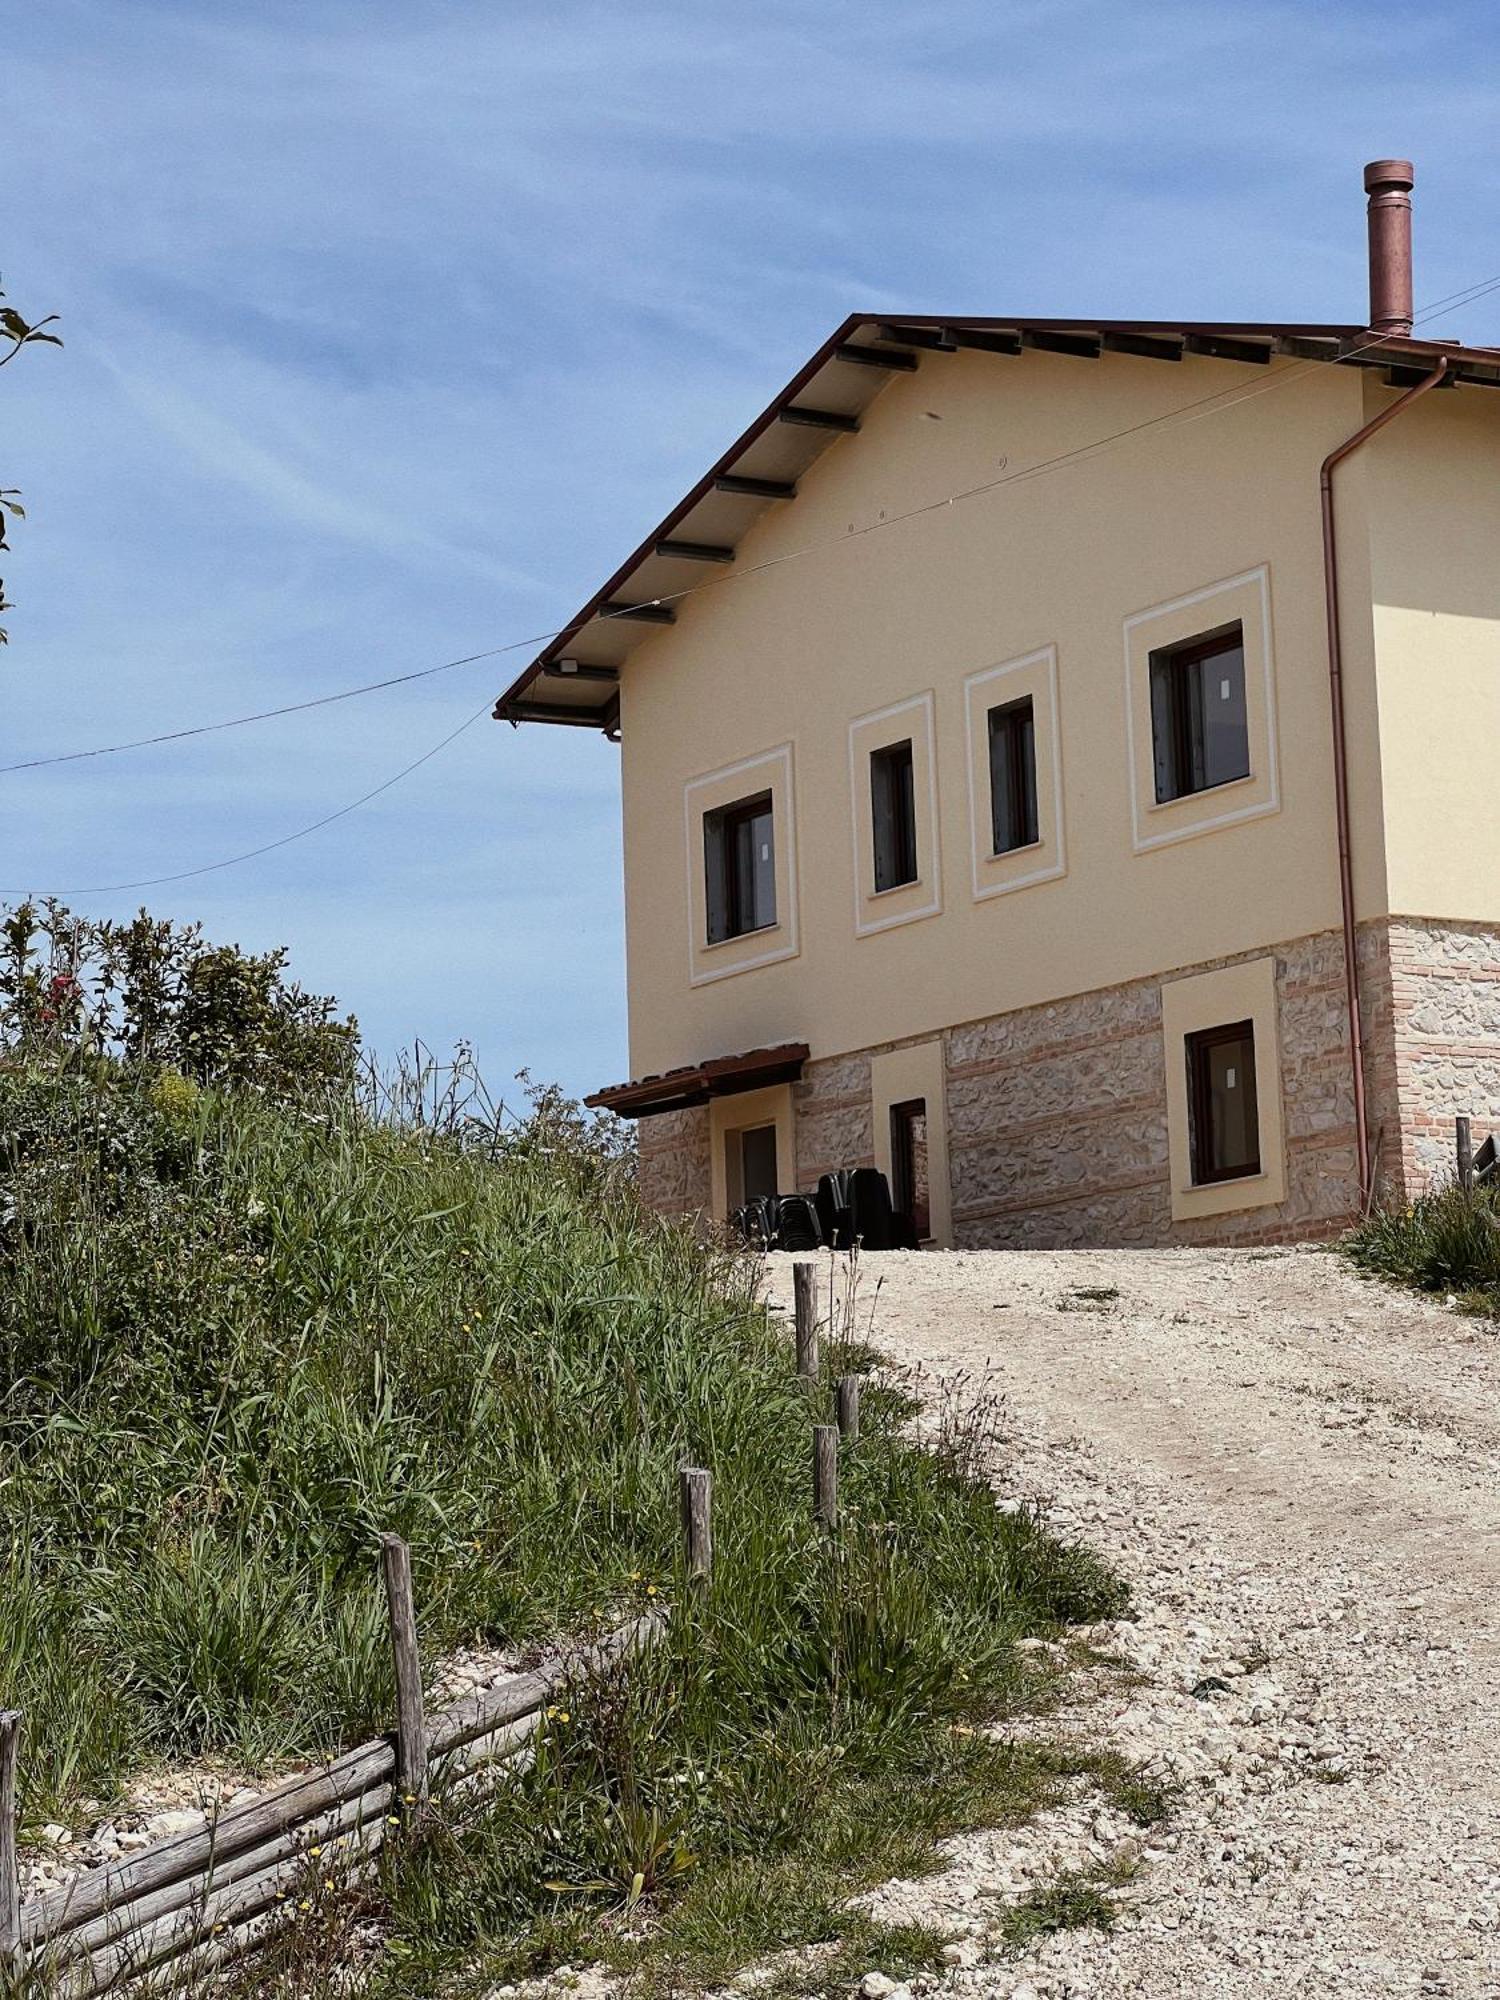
{"x":893,"y":812}
{"x":739,"y":854}
{"x":757,"y":1162}
{"x":910,"y":1188}
{"x":1223,"y":1120}
{"x":1013,"y":776}
{"x":1199,"y":727}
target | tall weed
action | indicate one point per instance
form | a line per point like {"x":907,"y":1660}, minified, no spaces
{"x":241,"y":1337}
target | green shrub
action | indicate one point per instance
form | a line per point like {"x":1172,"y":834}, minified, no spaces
{"x":1446,"y":1241}
{"x":154,"y":995}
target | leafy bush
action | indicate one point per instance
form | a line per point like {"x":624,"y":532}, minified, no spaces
{"x":1445,"y":1241}
{"x":153,"y":994}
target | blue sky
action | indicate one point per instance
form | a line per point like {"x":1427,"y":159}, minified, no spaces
{"x":390,"y":329}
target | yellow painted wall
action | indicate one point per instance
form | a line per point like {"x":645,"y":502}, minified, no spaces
{"x":1434,"y":482}
{"x":794,"y":654}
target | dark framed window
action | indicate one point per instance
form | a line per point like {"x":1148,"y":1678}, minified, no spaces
{"x":1013,"y":776}
{"x":893,"y":814}
{"x":1224,"y":1123}
{"x":739,"y":857}
{"x":1199,"y":726}
{"x":910,"y":1190}
{"x":757,"y":1162}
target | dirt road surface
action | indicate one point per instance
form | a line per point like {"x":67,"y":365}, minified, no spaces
{"x":1299,"y":1473}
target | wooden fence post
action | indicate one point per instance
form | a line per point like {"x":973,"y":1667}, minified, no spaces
{"x":1465,"y":1141}
{"x":826,"y":1475}
{"x":805,"y":1301}
{"x":847,"y":1398}
{"x":696,"y":1489}
{"x":411,"y":1726}
{"x":10,"y":1876}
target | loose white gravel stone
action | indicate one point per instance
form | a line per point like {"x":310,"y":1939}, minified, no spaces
{"x":1296,"y":1471}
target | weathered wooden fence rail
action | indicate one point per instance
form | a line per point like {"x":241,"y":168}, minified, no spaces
{"x":179,"y":1903}
{"x":188,"y":1904}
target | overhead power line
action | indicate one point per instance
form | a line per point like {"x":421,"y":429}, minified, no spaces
{"x":1226,"y":398}
{"x":1220,"y":401}
{"x":270,"y":846}
{"x":269,"y":714}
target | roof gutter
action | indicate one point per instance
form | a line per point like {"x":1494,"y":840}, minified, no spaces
{"x":1341,"y":761}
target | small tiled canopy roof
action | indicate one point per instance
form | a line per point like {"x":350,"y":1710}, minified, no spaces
{"x":575,"y":678}
{"x":695,"y":1083}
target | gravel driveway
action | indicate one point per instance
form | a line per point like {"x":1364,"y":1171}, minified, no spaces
{"x":1297,"y":1471}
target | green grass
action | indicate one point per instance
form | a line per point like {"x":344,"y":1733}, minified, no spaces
{"x":776,"y":1850}
{"x":1075,"y":1901}
{"x":1145,"y":1800}
{"x":241,"y":1339}
{"x":1446,"y":1241}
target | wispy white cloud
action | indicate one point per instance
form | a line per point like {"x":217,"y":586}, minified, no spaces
{"x":391,"y":328}
{"x":387,"y":523}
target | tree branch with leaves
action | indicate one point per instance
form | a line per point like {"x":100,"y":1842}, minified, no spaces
{"x":20,"y":332}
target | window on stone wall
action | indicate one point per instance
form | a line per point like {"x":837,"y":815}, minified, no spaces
{"x":739,"y":854}
{"x":911,"y":1191}
{"x":1199,"y":724}
{"x":757,"y":1162}
{"x":1223,"y":1120}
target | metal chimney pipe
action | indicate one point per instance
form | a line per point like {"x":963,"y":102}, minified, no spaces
{"x":1388,"y":184}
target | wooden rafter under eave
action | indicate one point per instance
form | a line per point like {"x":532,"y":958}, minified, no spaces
{"x":819,"y":420}
{"x":876,"y":357}
{"x":878,"y":344}
{"x":560,"y":712}
{"x":755,"y":489}
{"x":711,"y":552}
{"x":644,"y":614}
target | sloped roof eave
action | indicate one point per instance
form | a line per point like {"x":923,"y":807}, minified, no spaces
{"x":606,"y":610}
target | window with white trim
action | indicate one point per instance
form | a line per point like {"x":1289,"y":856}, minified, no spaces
{"x":1200,"y":731}
{"x":739,"y":859}
{"x":1013,"y":815}
{"x":893,"y":815}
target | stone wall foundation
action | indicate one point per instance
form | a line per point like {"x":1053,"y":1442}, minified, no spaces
{"x":1057,"y":1114}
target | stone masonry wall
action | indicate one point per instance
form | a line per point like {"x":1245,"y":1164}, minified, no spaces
{"x":1445,"y":1002}
{"x":1057,"y":1117}
{"x":672,"y":1164}
{"x":1057,"y":1122}
{"x":835,"y":1117}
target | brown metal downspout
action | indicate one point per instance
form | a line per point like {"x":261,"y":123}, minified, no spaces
{"x":1341,"y":762}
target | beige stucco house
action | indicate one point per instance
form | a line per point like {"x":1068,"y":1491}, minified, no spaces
{"x":1008,"y":804}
